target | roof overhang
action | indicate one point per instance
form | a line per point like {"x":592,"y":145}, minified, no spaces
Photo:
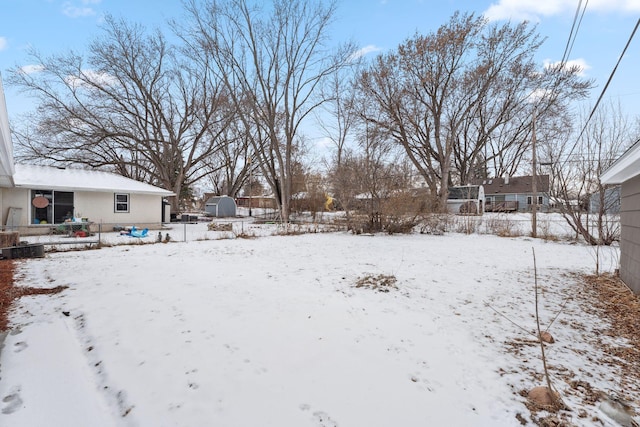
{"x":36,"y":186}
{"x":625,"y":168}
{"x":35,"y":177}
{"x":7,"y":169}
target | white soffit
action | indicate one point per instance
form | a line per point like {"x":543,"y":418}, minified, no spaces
{"x":625,"y":168}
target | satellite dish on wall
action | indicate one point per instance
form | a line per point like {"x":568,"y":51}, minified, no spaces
{"x":40,"y":202}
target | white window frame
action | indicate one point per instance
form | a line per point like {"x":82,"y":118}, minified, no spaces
{"x":117,"y":204}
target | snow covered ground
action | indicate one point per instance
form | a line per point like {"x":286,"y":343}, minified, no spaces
{"x":214,"y":330}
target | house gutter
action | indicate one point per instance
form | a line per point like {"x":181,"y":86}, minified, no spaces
{"x":625,"y":168}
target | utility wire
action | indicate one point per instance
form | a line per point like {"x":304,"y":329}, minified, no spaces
{"x":578,"y":28}
{"x":573,"y":34}
{"x":604,"y":89}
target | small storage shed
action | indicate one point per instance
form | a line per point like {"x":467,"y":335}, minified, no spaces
{"x":220,"y":206}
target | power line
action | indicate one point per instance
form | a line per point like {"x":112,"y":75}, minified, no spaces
{"x":604,"y":89}
{"x":579,"y":23}
{"x":633,"y":33}
{"x":572,"y":35}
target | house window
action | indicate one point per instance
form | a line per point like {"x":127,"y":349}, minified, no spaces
{"x":121,"y":202}
{"x":530,"y":200}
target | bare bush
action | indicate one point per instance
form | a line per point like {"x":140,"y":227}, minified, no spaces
{"x":545,"y":231}
{"x":436,"y":224}
{"x":502,"y":226}
{"x":466,"y":224}
{"x":398,"y":213}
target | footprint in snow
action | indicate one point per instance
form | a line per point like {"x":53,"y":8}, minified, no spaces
{"x":324,"y":420}
{"x":19,"y":346}
{"x":12,"y":401}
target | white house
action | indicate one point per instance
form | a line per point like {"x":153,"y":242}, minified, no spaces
{"x":34,"y":197}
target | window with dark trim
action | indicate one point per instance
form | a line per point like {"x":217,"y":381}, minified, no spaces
{"x":530,"y":200}
{"x":121,"y":202}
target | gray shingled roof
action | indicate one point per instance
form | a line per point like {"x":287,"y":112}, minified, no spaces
{"x":513,"y":185}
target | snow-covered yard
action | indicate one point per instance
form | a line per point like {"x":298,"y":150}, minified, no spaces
{"x":274,"y":331}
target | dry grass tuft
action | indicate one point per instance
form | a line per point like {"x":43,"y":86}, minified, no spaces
{"x":380,"y":283}
{"x":615,"y":302}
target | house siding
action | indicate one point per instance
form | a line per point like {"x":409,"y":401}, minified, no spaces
{"x":611,"y":201}
{"x":521,"y":199}
{"x":630,"y":235}
{"x":14,"y":198}
{"x":99,"y":207}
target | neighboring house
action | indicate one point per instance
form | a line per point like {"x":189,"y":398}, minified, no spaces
{"x":43,"y":195}
{"x":611,"y":201}
{"x":626,"y":172}
{"x":513,"y":194}
{"x":34,"y":197}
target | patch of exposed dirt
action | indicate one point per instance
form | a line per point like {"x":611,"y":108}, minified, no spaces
{"x":9,"y":292}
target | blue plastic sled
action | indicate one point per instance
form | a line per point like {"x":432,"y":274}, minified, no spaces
{"x":138,"y":233}
{"x":134,"y":232}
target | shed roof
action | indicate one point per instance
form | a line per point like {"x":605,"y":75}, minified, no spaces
{"x":514,"y":185}
{"x":70,"y":179}
{"x":625,"y":168}
{"x":217,"y":199}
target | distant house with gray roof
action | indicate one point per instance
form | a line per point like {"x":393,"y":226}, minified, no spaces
{"x":514,"y":194}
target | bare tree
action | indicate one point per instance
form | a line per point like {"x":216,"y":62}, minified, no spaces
{"x":132,"y":105}
{"x":342,"y":117}
{"x":447,"y":96}
{"x":374,"y":171}
{"x":231,"y":166}
{"x":273,"y":61}
{"x":590,"y":207}
{"x":378,"y":180}
{"x":338,"y":125}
